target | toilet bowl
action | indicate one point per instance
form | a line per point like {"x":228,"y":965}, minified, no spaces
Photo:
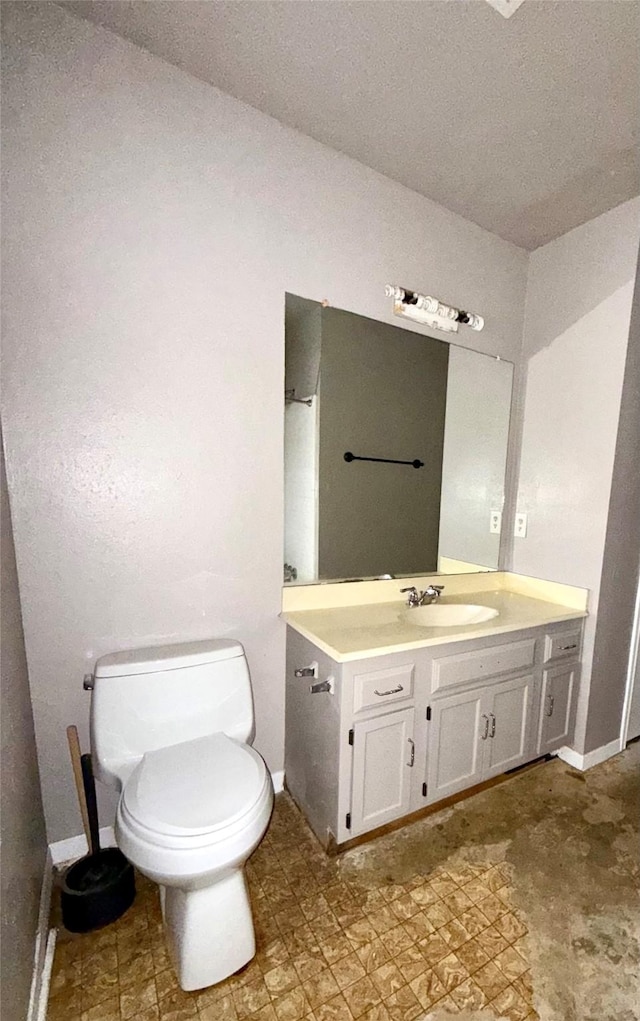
{"x":191,"y":811}
{"x":189,"y":817}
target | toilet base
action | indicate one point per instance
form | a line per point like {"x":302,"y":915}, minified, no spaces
{"x":209,"y":931}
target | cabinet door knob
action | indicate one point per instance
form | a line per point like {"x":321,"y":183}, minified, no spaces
{"x":493,"y":725}
{"x":412,"y":756}
{"x":486,"y":726}
{"x":549,"y":711}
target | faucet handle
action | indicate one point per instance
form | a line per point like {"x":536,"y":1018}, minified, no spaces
{"x":432,"y":593}
{"x":414,"y":596}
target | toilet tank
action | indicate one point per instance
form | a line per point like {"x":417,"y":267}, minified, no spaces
{"x":146,"y":699}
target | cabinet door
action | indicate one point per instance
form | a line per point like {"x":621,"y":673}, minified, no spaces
{"x":383,"y":761}
{"x":557,"y":709}
{"x":510,"y":737}
{"x":457,"y":732}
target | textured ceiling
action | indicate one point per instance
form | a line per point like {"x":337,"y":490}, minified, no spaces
{"x":526,"y":126}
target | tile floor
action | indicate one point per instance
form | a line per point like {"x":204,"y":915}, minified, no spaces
{"x":329,"y":948}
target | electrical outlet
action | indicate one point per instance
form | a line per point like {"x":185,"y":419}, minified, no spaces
{"x":520,"y":527}
{"x":495,"y":522}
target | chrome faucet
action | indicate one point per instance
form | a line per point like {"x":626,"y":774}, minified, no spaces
{"x":430,"y":595}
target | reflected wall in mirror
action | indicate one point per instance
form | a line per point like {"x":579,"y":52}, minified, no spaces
{"x":377,"y":391}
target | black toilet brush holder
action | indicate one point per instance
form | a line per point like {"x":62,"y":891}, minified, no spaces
{"x":99,"y":888}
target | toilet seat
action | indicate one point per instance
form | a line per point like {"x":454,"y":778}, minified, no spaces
{"x":198,"y":790}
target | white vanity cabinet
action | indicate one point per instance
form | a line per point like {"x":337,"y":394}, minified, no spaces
{"x":510,"y":740}
{"x":383,"y":764}
{"x":484,"y":698}
{"x":557,"y":708}
{"x":478,"y":734}
{"x":351,"y":756}
{"x":559,"y":683}
{"x":456,"y":750}
{"x":407,"y":729}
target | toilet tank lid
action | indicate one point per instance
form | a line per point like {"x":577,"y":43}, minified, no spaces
{"x":166,"y":657}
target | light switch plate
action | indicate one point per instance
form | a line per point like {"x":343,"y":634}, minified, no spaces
{"x":520,"y":527}
{"x":495,"y":522}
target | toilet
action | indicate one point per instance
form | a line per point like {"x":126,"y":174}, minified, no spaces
{"x":171,"y":729}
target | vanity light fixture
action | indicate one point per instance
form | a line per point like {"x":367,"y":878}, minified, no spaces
{"x":430,"y":311}
{"x":505,"y":7}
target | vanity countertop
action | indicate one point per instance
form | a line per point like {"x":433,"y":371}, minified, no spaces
{"x":373,"y":629}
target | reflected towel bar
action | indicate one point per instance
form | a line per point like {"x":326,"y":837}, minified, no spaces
{"x":385,"y":460}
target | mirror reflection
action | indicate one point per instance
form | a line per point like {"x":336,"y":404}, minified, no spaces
{"x":424,"y":426}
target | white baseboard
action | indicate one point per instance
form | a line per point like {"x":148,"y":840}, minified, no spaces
{"x":63,"y":851}
{"x":41,"y":975}
{"x":594,"y":758}
{"x":47,"y":969}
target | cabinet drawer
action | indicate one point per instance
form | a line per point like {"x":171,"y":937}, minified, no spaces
{"x":562,"y":643}
{"x":377,"y":687}
{"x":468,"y":667}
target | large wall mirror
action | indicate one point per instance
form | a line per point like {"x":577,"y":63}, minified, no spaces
{"x":424,"y":424}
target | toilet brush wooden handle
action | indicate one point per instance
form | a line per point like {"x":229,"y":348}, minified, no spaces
{"x":92,"y":803}
{"x":74,"y":751}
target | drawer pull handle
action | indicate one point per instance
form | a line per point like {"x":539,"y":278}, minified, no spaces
{"x":412,"y":757}
{"x":391,"y":691}
{"x":486,"y":726}
{"x":565,"y":648}
{"x":549,"y":711}
{"x":493,"y":725}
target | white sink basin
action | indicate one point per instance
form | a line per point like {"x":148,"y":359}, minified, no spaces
{"x":448,"y":615}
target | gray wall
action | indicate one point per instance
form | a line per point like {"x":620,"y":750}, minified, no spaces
{"x":621,"y":561}
{"x":383,"y":394}
{"x":143,"y":392}
{"x":152,"y":226}
{"x":23,"y":840}
{"x":578,"y":309}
